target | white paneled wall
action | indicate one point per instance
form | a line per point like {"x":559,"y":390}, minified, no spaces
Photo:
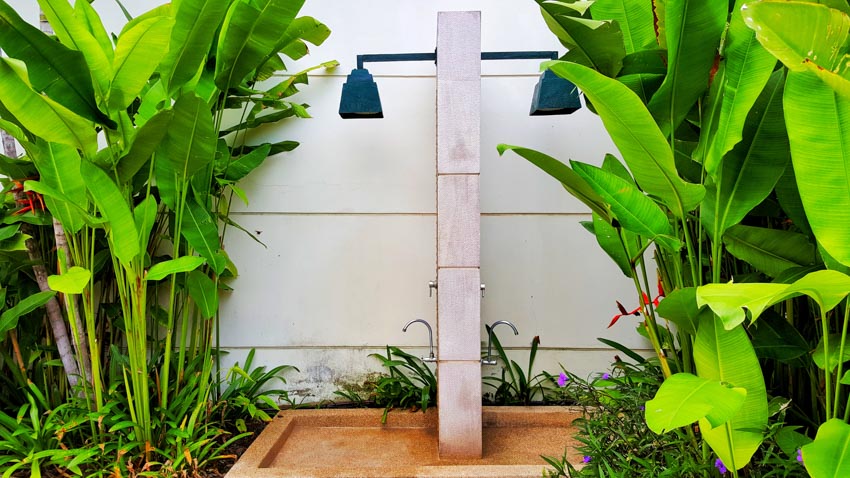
{"x":349,"y":217}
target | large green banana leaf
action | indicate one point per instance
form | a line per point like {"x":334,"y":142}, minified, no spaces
{"x":250,"y":33}
{"x":609,"y":239}
{"x":70,"y":281}
{"x":190,"y":141}
{"x":685,"y":398}
{"x":9,"y":318}
{"x":747,"y":66}
{"x":617,"y":168}
{"x":693,"y":29}
{"x":633,"y":210}
{"x":144,"y":215}
{"x":161,"y":270}
{"x":829,"y":353}
{"x":775,"y":338}
{"x":727,"y":356}
{"x":571,"y":181}
{"x":74,"y":34}
{"x":59,"y":168}
{"x":634,"y":18}
{"x":201,"y":233}
{"x":203,"y":292}
{"x":680,"y":307}
{"x":818,"y":121}
{"x":789,"y":199}
{"x":805,"y":37}
{"x":643,"y":68}
{"x":771,"y":251}
{"x":239,"y":167}
{"x":826,"y":287}
{"x":137,"y":54}
{"x":595,"y":44}
{"x":120,"y":225}
{"x":828,"y":456}
{"x":53,"y":68}
{"x":643,"y":72}
{"x":143,"y":143}
{"x":40,"y":114}
{"x":300,"y":30}
{"x":195,"y":24}
{"x":749,"y":172}
{"x":640,"y":141}
{"x":86,"y":14}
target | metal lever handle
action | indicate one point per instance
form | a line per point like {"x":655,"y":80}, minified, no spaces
{"x":432,"y":286}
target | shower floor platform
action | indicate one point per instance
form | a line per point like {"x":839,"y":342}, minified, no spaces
{"x":332,"y":443}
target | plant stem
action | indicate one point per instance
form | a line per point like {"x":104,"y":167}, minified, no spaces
{"x":651,"y":307}
{"x":826,"y":373}
{"x":732,"y":466}
{"x":841,"y":356}
{"x":651,"y":328}
{"x":183,"y":188}
{"x":16,"y":348}
{"x":692,"y":259}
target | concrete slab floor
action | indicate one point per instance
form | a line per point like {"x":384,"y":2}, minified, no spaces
{"x":334,"y":443}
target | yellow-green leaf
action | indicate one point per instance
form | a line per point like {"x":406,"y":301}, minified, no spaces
{"x":137,"y":54}
{"x":73,"y":281}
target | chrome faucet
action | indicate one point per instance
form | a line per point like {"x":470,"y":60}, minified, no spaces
{"x":430,"y":357}
{"x":489,"y":360}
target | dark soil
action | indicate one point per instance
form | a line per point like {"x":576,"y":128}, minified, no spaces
{"x":219,"y":468}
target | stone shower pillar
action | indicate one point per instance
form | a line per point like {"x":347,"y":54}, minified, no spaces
{"x":459,"y":233}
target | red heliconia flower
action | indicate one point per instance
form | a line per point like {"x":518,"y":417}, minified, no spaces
{"x":29,"y":200}
{"x":644,"y":302}
{"x":623,"y":312}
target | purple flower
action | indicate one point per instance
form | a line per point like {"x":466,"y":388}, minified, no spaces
{"x":586,"y":459}
{"x":606,"y":376}
{"x":642,"y":408}
{"x":563,"y":379}
{"x":800,"y":455}
{"x":718,"y":463}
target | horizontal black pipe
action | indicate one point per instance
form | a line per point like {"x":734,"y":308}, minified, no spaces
{"x":487,"y":55}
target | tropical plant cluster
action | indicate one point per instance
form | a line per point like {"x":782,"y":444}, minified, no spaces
{"x":731,"y":125}
{"x":409,"y":383}
{"x":113,"y":224}
{"x":616,"y":442}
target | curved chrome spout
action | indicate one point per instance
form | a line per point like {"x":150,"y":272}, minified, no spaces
{"x":430,"y":357}
{"x":489,"y":360}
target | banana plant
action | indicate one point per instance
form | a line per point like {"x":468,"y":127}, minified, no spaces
{"x":696,"y":110}
{"x":135,"y":160}
{"x":811,"y":40}
{"x":710,"y":129}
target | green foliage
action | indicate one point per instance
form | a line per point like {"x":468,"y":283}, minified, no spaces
{"x":826,"y":456}
{"x":33,"y":438}
{"x":590,"y":42}
{"x":639,"y":139}
{"x":613,"y":435}
{"x":684,"y":398}
{"x":727,"y":356}
{"x":127,"y":143}
{"x":248,"y":391}
{"x":615,"y":440}
{"x":514,"y":385}
{"x":410,"y":383}
{"x":706,"y":126}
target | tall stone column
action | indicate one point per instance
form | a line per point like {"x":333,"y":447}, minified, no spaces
{"x":459,"y":233}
